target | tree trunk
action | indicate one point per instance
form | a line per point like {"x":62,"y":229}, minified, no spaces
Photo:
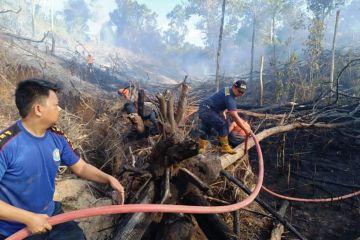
{"x":33,"y":17}
{"x":333,"y":52}
{"x":52,"y":44}
{"x":274,"y":49}
{"x":252,"y":47}
{"x":182,"y":103}
{"x":52,"y":14}
{"x":261,"y":86}
{"x":141,"y":101}
{"x":218,"y":55}
{"x":227,"y":160}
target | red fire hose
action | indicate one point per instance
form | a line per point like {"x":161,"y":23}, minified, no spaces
{"x":166,"y":208}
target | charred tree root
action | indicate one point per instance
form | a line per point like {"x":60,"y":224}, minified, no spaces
{"x":134,"y":226}
{"x":175,"y":227}
{"x":211,"y":224}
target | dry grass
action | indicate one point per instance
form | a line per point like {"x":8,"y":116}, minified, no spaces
{"x":254,"y":223}
{"x":89,"y":117}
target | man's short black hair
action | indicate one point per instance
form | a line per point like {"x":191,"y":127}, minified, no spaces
{"x":31,"y":90}
{"x":240,"y":85}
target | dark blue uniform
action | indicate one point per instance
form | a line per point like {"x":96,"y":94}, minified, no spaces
{"x":211,"y":112}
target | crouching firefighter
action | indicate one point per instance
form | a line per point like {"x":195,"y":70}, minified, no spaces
{"x":211,"y":116}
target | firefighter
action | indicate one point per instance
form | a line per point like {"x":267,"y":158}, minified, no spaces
{"x":124,"y":92}
{"x":211,"y":114}
{"x":31,"y":150}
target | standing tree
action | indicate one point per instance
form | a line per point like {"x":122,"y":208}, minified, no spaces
{"x":218,"y":55}
{"x":320,"y":9}
{"x":136,"y":26}
{"x":76,"y":15}
{"x":177,"y":31}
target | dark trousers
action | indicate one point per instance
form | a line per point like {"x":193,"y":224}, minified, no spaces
{"x":235,"y":139}
{"x":64,"y":231}
{"x":211,"y":119}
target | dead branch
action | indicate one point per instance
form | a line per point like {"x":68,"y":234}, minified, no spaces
{"x":24,"y":38}
{"x":163,"y":107}
{"x":170,"y":113}
{"x":182,"y":103}
{"x":167,"y":193}
{"x":10,"y":11}
{"x":278,"y":230}
{"x":196,"y":180}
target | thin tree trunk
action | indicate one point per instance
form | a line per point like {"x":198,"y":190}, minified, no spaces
{"x":333,"y":51}
{"x":141,"y":102}
{"x":33,"y":17}
{"x":274,"y":48}
{"x":218,"y":55}
{"x":252,"y":47}
{"x":52,"y":44}
{"x":52,"y":14}
{"x":261,"y":81}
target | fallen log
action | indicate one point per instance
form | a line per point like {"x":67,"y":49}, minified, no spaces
{"x":227,"y":159}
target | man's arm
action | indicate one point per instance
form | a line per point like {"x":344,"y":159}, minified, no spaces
{"x":238,"y":121}
{"x":89,"y":172}
{"x":36,"y":223}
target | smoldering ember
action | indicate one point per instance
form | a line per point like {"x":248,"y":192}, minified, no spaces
{"x":213,"y":119}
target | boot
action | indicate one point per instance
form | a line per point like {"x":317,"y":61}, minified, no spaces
{"x":202,"y":145}
{"x":225,"y":147}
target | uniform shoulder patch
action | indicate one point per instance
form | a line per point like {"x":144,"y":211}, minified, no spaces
{"x":7,"y":134}
{"x":227,"y":91}
{"x":58,"y":131}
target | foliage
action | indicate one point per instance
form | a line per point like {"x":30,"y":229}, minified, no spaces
{"x":76,"y":15}
{"x":322,"y":8}
{"x":177,"y":31}
{"x":136,"y":26}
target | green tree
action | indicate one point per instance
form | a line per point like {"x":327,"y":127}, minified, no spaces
{"x":136,"y":26}
{"x":76,"y":15}
{"x":177,"y":31}
{"x":209,"y":12}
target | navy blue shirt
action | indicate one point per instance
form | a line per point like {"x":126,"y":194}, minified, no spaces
{"x":28,"y":166}
{"x":223,"y":99}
